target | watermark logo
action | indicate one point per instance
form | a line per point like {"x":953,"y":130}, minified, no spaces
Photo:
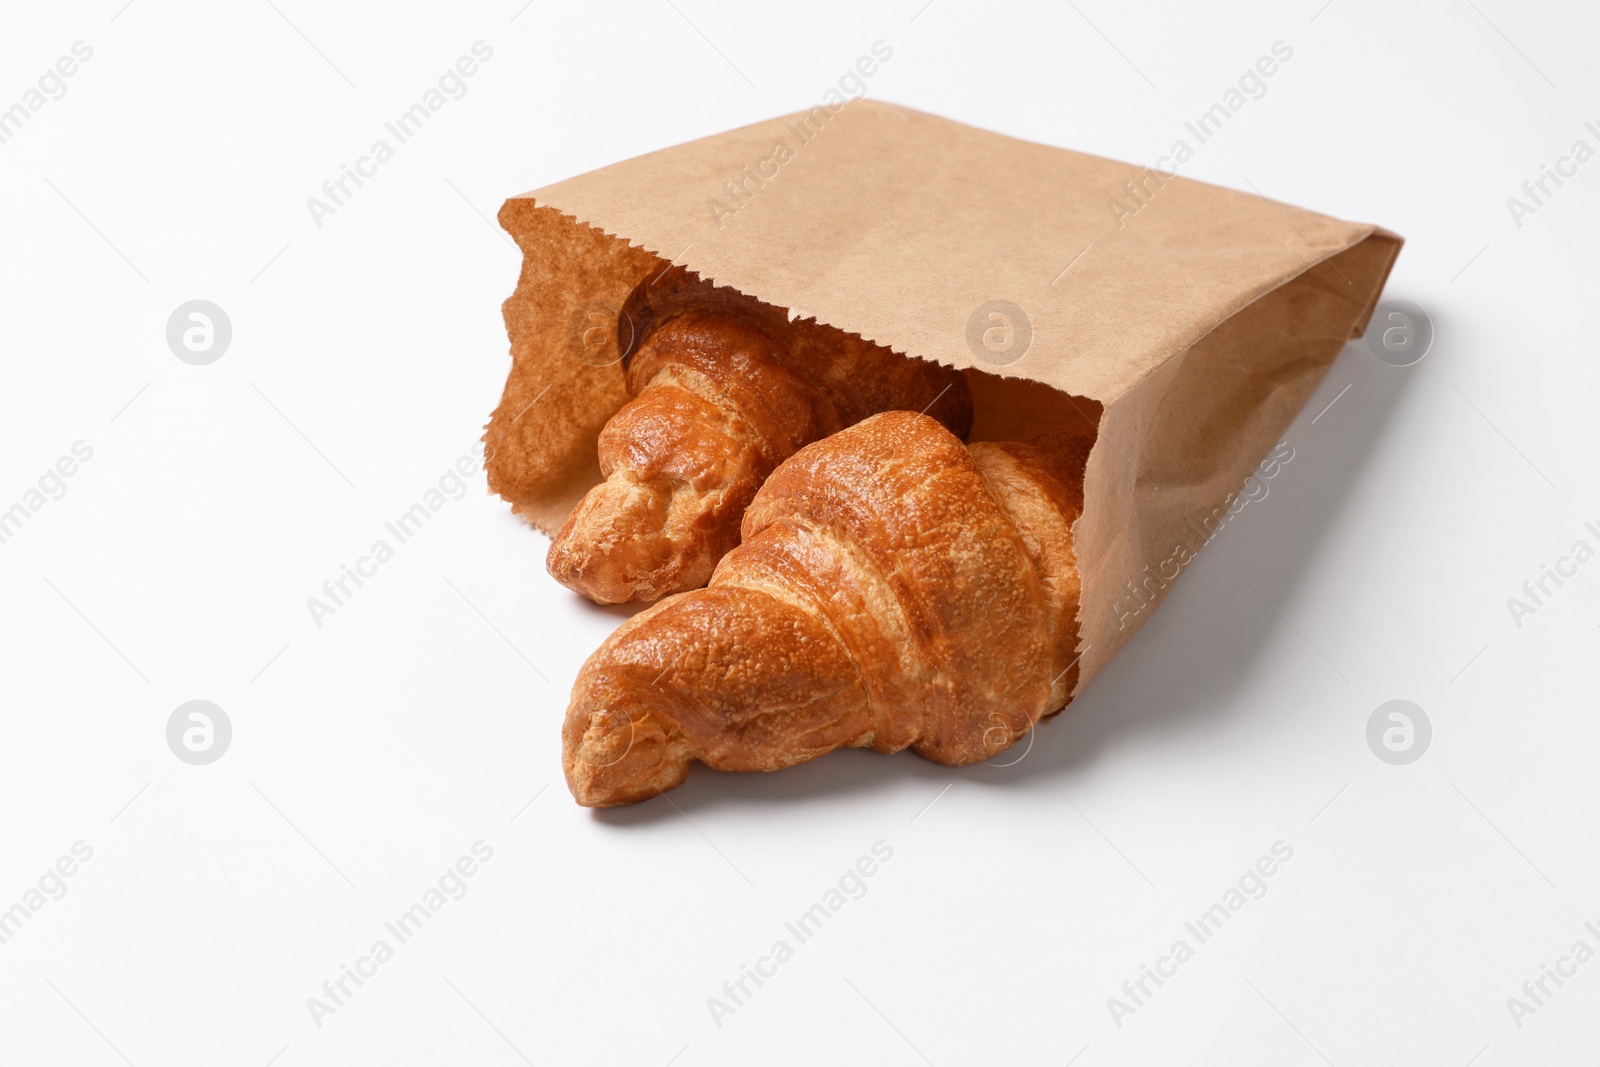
{"x":199,"y":332}
{"x":999,"y":737}
{"x":999,"y":332}
{"x":1399,"y":732}
{"x":600,"y":333}
{"x":199,"y":732}
{"x":1400,"y":333}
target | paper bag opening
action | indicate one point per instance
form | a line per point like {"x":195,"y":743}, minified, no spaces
{"x":1189,"y":336}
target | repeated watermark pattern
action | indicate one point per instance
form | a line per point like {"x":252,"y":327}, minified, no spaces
{"x":199,"y":732}
{"x":1137,"y":992}
{"x":51,"y":485}
{"x":52,"y":85}
{"x":337,"y":592}
{"x":1400,"y":333}
{"x":338,"y":191}
{"x":1537,"y":192}
{"x":199,"y":332}
{"x":737,"y":992}
{"x":999,"y":332}
{"x":1143,"y":591}
{"x":1138,"y":193}
{"x":600,"y":332}
{"x":1538,"y":591}
{"x":1399,"y":732}
{"x":1537,"y":992}
{"x":51,"y":886}
{"x":738,"y":191}
{"x":450,"y":886}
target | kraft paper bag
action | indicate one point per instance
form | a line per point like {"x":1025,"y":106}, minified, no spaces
{"x":1187,"y":322}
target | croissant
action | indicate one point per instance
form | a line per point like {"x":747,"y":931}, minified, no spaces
{"x":894,"y":588}
{"x":724,"y":389}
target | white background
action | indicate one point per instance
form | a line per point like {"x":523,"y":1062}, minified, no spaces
{"x":370,"y":753}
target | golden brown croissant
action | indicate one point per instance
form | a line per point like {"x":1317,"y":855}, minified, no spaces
{"x":724,"y":389}
{"x":894,"y":589}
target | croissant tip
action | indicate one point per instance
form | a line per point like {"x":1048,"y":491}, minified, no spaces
{"x":575,"y":565}
{"x":620,"y":573}
{"x":591,"y":787}
{"x":608,"y":764}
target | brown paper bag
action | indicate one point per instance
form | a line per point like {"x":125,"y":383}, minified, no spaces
{"x":1189,"y":322}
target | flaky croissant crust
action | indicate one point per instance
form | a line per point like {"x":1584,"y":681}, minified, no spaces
{"x":724,"y":389}
{"x":894,"y":589}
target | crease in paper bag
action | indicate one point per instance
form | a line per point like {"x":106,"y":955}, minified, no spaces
{"x":1192,"y":336}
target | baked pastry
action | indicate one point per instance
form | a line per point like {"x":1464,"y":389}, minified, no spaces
{"x":894,"y":589}
{"x":724,"y":388}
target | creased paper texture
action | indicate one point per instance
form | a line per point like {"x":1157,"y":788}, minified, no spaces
{"x":1190,"y":333}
